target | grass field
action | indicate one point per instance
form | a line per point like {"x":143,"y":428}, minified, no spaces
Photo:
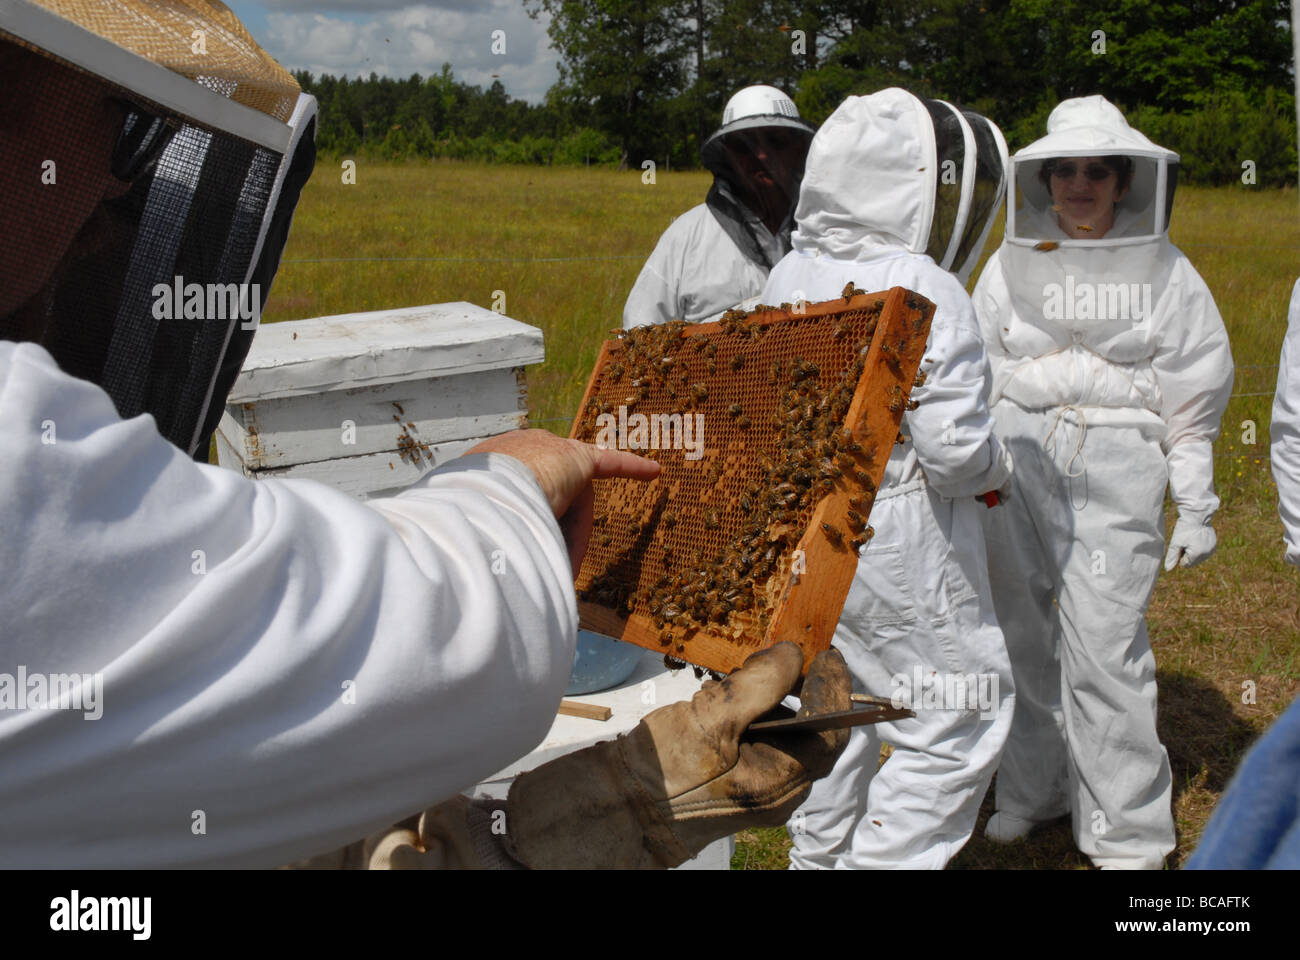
{"x":564,"y":246}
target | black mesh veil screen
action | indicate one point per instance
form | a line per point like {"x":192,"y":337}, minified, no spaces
{"x":987,"y":191}
{"x":950,"y":152}
{"x":127,"y":260}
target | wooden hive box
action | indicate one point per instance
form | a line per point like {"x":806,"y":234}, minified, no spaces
{"x":369,"y":402}
{"x":785,"y":421}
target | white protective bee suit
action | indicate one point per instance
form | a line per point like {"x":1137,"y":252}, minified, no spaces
{"x":189,"y":588}
{"x":1111,"y":370}
{"x":718,"y":254}
{"x":877,"y":210}
{"x":1285,"y":432}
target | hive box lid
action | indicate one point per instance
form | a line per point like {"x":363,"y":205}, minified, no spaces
{"x":381,"y":346}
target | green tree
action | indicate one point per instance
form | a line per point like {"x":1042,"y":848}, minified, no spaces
{"x":624,"y":60}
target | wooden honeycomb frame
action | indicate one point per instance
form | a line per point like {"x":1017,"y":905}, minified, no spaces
{"x":684,"y":523}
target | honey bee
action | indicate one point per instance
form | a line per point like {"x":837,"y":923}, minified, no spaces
{"x":919,"y":381}
{"x":737,"y":361}
{"x":1085,"y":228}
{"x":699,"y":391}
{"x":742,"y":423}
{"x":857,"y":503}
{"x":1046,"y":245}
{"x":840,"y":332}
{"x":833,"y":533}
{"x":399,"y":408}
{"x":734,"y":410}
{"x":773,"y":372}
{"x":711,"y":520}
{"x":913,"y":404}
{"x":856,"y":544}
{"x":711,"y":365}
{"x":667,"y":520}
{"x":847,"y":292}
{"x":855,"y":521}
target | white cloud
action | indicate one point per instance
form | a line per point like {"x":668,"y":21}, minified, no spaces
{"x":400,"y":39}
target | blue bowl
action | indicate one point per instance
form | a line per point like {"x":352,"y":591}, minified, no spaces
{"x":601,"y":662}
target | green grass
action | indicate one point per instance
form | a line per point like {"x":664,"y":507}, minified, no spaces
{"x":1229,"y":622}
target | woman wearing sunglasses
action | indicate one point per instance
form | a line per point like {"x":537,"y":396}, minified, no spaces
{"x":1111,"y":371}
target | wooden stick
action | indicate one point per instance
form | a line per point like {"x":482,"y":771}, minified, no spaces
{"x":588,"y":711}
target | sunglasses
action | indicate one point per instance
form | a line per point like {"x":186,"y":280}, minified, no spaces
{"x":140,"y":143}
{"x":1093,"y":171}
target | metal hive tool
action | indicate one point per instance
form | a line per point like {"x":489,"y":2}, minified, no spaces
{"x":749,"y":537}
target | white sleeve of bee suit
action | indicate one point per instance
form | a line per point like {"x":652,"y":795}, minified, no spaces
{"x":269,"y":669}
{"x":952,"y":428}
{"x":654,"y":295}
{"x":1193,"y":367}
{"x":1285,"y":431}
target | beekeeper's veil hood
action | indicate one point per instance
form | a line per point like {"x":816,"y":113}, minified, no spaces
{"x":1092,"y":127}
{"x":1066,"y":285}
{"x":893,"y":170}
{"x":757,"y":158}
{"x":154,"y":154}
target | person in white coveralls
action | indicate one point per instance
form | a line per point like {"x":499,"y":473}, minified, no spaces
{"x":1284,"y":432}
{"x":251,"y":673}
{"x":1111,"y":371}
{"x":718,"y":254}
{"x":873,"y":190}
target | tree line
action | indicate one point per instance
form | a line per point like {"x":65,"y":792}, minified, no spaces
{"x":647,"y":79}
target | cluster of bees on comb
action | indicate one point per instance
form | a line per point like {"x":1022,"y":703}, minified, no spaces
{"x":731,"y":587}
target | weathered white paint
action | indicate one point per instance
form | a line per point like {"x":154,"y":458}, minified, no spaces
{"x":385,"y":346}
{"x":443,"y":375}
{"x":284,"y":431}
{"x":369,"y":475}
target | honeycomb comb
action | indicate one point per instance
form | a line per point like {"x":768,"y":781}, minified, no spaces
{"x":772,"y":430}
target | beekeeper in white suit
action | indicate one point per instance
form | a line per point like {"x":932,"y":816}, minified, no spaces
{"x":719,"y":253}
{"x":898,"y":191}
{"x":197,"y":669}
{"x":1111,"y":370}
{"x":1284,"y":432}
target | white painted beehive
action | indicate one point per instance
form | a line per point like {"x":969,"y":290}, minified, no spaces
{"x":369,"y":402}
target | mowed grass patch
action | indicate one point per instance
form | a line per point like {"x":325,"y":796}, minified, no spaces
{"x":1225,"y":633}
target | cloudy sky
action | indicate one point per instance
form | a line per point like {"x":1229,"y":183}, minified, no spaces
{"x":395,"y":38}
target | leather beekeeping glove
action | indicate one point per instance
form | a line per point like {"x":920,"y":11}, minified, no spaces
{"x":1190,"y":543}
{"x":684,"y":776}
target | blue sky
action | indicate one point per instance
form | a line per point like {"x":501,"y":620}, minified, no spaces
{"x":396,"y":39}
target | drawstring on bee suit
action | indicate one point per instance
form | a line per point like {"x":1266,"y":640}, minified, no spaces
{"x":1049,"y":444}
